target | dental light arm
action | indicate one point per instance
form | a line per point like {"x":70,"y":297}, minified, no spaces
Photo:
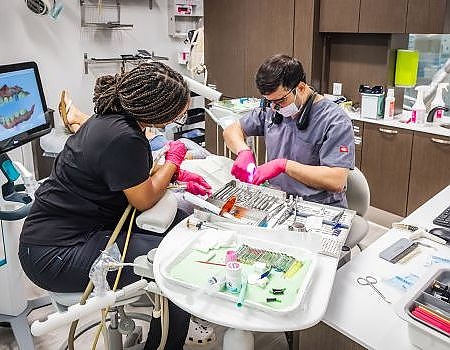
{"x":202,"y":90}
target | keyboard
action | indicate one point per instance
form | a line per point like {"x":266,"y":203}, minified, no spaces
{"x":331,"y":246}
{"x":443,"y":219}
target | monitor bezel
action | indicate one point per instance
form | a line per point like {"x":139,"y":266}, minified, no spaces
{"x":29,"y":135}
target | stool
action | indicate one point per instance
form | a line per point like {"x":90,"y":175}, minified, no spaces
{"x":120,"y":323}
{"x":19,"y":323}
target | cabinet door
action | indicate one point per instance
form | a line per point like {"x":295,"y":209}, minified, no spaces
{"x":358,"y":128}
{"x":426,"y":16}
{"x":225,"y":23}
{"x":339,"y":16}
{"x":269,"y":31}
{"x":386,"y":158}
{"x":430,"y":168}
{"x":383,"y":16}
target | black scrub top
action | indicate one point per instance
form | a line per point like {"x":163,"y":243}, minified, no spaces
{"x":83,"y":194}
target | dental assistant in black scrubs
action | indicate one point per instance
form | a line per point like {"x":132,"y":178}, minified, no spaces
{"x":104,"y":166}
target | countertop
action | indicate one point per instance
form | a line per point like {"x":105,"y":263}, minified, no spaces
{"x":357,"y":311}
{"x":434,"y":129}
{"x":225,"y":117}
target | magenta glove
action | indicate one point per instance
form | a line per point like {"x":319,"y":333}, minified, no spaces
{"x":197,"y":189}
{"x":195,"y":183}
{"x":241,"y":169}
{"x":176,"y":153}
{"x":269,"y":170}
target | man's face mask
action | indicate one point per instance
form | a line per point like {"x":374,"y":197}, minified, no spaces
{"x":289,"y":110}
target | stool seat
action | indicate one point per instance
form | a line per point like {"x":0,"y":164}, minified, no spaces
{"x":63,"y":300}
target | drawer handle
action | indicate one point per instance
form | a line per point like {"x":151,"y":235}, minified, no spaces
{"x":440,"y":141}
{"x":388,"y":131}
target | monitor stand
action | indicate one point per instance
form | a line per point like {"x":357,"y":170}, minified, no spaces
{"x":14,"y":306}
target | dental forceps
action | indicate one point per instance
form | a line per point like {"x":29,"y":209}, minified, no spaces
{"x":370,"y":281}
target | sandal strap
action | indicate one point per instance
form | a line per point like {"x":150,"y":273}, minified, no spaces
{"x":68,"y":105}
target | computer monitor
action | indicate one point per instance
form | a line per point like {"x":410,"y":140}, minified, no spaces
{"x":23,"y":111}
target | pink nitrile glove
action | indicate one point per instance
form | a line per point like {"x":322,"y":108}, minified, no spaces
{"x":243,"y":166}
{"x":176,"y":153}
{"x":195,"y":183}
{"x":197,"y":189}
{"x":269,"y":170}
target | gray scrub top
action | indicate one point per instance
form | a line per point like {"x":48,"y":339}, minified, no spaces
{"x":328,"y":140}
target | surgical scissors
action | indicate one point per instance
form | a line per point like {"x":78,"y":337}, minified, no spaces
{"x":370,"y":281}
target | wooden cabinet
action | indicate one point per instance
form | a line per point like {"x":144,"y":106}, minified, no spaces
{"x":358,"y":128}
{"x":240,"y":35}
{"x":269,"y":30}
{"x":430,"y":168}
{"x":225,"y":45}
{"x":339,"y":16}
{"x":386,"y":159}
{"x":426,"y":16}
{"x":383,"y":16}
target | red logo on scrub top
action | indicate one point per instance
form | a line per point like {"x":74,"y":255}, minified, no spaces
{"x":343,"y":149}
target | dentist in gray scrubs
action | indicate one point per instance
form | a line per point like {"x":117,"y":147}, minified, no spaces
{"x":309,"y":139}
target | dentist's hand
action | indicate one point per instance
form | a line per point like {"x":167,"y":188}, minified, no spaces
{"x":269,"y":170}
{"x":176,"y":153}
{"x":195,"y":184}
{"x":241,"y":169}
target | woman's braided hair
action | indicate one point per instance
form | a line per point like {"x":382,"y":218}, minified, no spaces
{"x":152,"y":93}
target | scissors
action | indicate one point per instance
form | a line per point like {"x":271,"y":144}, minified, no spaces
{"x":370,"y":281}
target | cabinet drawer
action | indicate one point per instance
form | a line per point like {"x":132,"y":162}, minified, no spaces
{"x":430,"y":168}
{"x":385,"y":162}
{"x":358,"y":128}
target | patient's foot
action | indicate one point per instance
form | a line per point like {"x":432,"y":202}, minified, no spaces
{"x":71,"y":116}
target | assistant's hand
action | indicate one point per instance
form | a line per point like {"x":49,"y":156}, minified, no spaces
{"x":176,"y":153}
{"x":269,"y":170}
{"x":195,"y":183}
{"x":240,"y":169}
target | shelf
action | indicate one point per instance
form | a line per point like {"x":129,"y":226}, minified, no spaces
{"x":105,"y":17}
{"x":142,"y":56}
{"x":179,"y":15}
{"x":184,"y":15}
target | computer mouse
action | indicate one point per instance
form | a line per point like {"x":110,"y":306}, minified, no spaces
{"x":441,"y":232}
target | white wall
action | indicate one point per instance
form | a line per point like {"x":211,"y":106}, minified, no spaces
{"x":58,"y":46}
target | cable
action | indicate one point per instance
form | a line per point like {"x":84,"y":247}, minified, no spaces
{"x":90,"y":286}
{"x":102,"y":325}
{"x":164,"y":322}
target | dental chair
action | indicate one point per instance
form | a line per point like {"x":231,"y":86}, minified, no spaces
{"x":358,"y":199}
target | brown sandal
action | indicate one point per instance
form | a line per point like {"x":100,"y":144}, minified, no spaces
{"x":64,"y":109}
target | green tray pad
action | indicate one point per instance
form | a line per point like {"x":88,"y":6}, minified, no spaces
{"x":185,"y":269}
